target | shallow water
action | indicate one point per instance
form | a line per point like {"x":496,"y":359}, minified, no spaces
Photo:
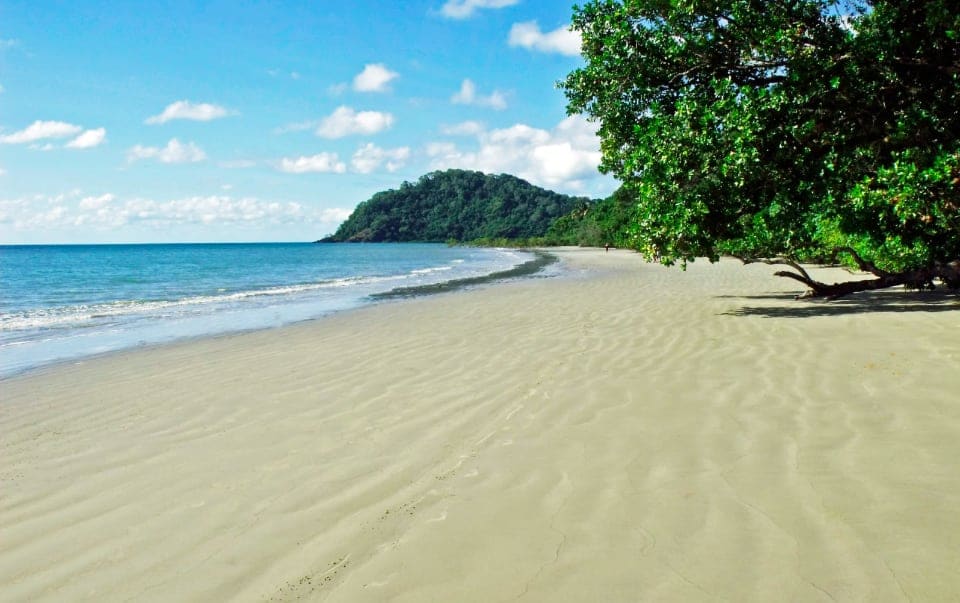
{"x":69,"y":301}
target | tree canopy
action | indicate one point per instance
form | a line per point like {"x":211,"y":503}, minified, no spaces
{"x":595,"y":224}
{"x":456,"y":205}
{"x":791,"y":128}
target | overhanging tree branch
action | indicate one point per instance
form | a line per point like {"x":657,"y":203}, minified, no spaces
{"x":769,"y":126}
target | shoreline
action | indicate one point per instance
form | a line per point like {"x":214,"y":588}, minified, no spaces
{"x":529,"y":268}
{"x":626,"y":432}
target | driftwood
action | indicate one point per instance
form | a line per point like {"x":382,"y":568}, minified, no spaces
{"x":920,"y":278}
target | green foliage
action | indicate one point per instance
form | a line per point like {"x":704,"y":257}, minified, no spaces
{"x":456,"y":205}
{"x":516,"y":243}
{"x":595,"y":224}
{"x":779,"y":127}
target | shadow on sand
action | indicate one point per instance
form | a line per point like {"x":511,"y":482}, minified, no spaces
{"x":858,"y":303}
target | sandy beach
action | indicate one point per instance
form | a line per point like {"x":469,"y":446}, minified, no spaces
{"x":629,"y":432}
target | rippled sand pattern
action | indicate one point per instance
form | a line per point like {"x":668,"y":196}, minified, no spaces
{"x":630,"y":433}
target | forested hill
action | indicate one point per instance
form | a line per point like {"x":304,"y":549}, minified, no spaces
{"x":456,"y":204}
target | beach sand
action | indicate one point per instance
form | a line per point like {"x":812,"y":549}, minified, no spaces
{"x":628,"y":433}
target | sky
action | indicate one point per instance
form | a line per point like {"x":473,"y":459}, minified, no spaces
{"x":238,"y":120}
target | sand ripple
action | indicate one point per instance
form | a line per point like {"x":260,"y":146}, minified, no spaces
{"x":630,"y":432}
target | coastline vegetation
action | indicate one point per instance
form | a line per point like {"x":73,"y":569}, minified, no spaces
{"x":589,"y":224}
{"x":459,"y":205}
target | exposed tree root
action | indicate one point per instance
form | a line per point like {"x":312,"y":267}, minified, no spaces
{"x":920,"y":278}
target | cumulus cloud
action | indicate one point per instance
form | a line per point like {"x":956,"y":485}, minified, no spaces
{"x":321,"y":162}
{"x":24,"y":214}
{"x":345,"y":121}
{"x":40,"y":130}
{"x":109,"y":212}
{"x":370,"y":157}
{"x":88,"y":139}
{"x":559,"y":158}
{"x":334,"y":214}
{"x":463,"y":9}
{"x":562,"y":40}
{"x":174,"y":152}
{"x":375,"y":77}
{"x":95,"y":203}
{"x":465,"y":128}
{"x":186,"y":110}
{"x":467,"y":95}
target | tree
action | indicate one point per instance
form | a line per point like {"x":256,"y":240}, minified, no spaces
{"x":804,"y":129}
{"x":595,"y":224}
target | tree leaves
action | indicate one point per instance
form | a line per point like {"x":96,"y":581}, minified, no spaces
{"x":779,"y":127}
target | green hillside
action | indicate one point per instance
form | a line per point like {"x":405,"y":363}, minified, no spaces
{"x":456,"y":204}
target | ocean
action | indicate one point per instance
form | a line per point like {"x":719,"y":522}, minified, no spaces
{"x":67,"y":302}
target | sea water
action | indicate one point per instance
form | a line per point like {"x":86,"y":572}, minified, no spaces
{"x":64,"y":302}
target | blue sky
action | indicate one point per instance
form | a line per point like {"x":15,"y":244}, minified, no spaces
{"x":269,"y":121}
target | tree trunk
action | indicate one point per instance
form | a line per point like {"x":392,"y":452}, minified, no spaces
{"x":920,"y":278}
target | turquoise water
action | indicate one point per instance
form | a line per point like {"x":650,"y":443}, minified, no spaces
{"x":69,"y":301}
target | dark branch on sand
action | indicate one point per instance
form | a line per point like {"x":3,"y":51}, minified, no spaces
{"x":802,"y":277}
{"x":863,"y":264}
{"x":920,"y":278}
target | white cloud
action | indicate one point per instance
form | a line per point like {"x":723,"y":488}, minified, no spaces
{"x":370,"y":157}
{"x":7,"y":43}
{"x":559,"y":158}
{"x":3,"y":172}
{"x":94,"y":203}
{"x":344,"y":121}
{"x":528,"y":35}
{"x":108,"y":212}
{"x":322,"y":162}
{"x":375,"y":77}
{"x":39,"y":130}
{"x":174,"y":152}
{"x":467,"y":95}
{"x":186,"y":110}
{"x":334,"y":214}
{"x":441,"y":150}
{"x":88,"y":139}
{"x":463,"y":9}
{"x":465,"y":128}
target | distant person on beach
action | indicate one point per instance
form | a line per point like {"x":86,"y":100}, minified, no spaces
{"x":607,"y":247}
